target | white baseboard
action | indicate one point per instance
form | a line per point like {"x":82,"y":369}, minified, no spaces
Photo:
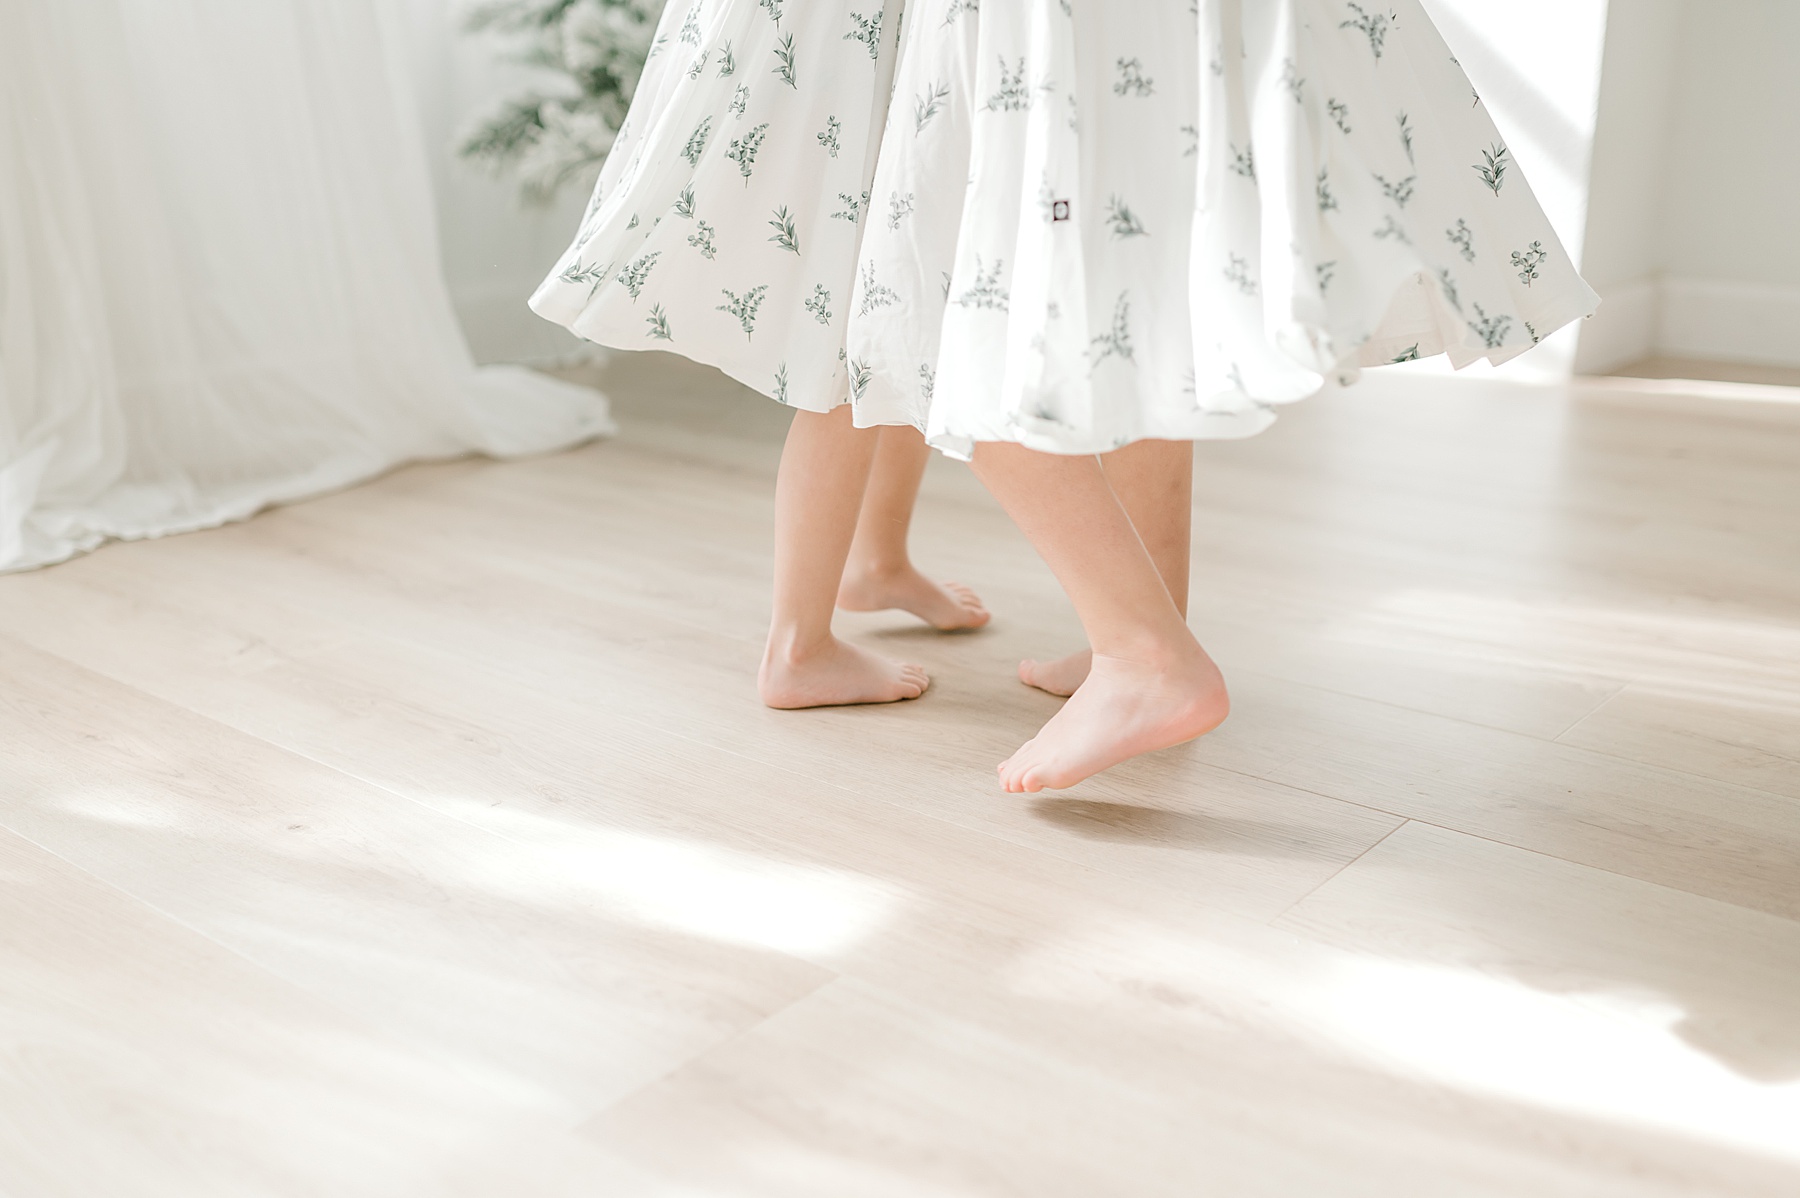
{"x":1623,"y":330}
{"x":1708,"y":319}
{"x":500,"y":328}
{"x":1729,"y":322}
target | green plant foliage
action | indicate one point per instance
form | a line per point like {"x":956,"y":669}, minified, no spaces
{"x":590,"y":55}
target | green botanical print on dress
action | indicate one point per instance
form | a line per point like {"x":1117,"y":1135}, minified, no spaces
{"x":1399,"y":191}
{"x":1449,"y":286}
{"x":786,"y":236}
{"x":740,"y":101}
{"x":875,"y":295}
{"x":829,"y":138}
{"x":1123,"y":220}
{"x":1237,"y":273}
{"x":634,"y":276}
{"x":867,"y":30}
{"x":929,"y":105}
{"x":744,"y":306}
{"x":1290,"y":79}
{"x":1244,"y":162}
{"x":784,"y":61}
{"x":743,"y":149}
{"x":781,"y":383}
{"x":1463,"y":238}
{"x":1132,"y":81}
{"x":659,"y":324}
{"x":899,"y":208}
{"x":1493,"y":170}
{"x":702,"y":239}
{"x":727,"y":63}
{"x":1322,"y":191}
{"x":593,"y":276}
{"x":1491,"y":329}
{"x":1527,"y":261}
{"x":852,"y":206}
{"x":696,"y":142}
{"x":1116,"y":341}
{"x":1374,"y":25}
{"x":1013,"y":95}
{"x":1340,"y":114}
{"x":819,"y":304}
{"x":860,"y":377}
{"x":986,"y":291}
{"x":1391,"y":229}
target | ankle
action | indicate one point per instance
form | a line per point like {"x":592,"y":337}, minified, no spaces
{"x":1160,"y":653}
{"x":876,"y":569}
{"x":790,"y":646}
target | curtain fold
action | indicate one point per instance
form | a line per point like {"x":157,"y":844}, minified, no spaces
{"x":219,"y":277}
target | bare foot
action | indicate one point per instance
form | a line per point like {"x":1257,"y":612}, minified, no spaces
{"x":1059,"y":677}
{"x":836,"y":675}
{"x":1123,"y":709}
{"x":947,"y":606}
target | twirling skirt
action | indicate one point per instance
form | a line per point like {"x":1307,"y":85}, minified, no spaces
{"x":1070,"y":224}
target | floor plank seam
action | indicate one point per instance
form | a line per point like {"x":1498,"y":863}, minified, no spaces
{"x":700,"y":1054}
{"x":1339,"y":870}
{"x":1595,"y":710}
{"x":1642,"y":881}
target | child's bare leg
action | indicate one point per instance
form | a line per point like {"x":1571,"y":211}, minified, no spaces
{"x":880,"y":573}
{"x":824,"y":469}
{"x":1154,"y":480}
{"x":1151,"y":685}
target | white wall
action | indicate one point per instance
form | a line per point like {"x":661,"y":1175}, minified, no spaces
{"x":496,"y":248}
{"x":1692,"y":241}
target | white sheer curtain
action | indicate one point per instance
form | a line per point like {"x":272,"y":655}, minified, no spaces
{"x":219,"y":282}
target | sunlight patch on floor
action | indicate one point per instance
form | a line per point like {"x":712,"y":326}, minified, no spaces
{"x":809,"y":911}
{"x":1616,"y":1057}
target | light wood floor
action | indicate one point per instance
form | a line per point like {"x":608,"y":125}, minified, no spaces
{"x":427,"y":839}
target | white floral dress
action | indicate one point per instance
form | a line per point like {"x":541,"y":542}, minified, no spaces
{"x":1079,"y":223}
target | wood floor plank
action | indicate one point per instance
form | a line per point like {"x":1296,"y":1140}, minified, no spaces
{"x":1707,"y":837}
{"x":575,"y":669}
{"x":1119,"y":1062}
{"x":1724,"y":841}
{"x":557,"y":988}
{"x":1619,"y":999}
{"x":466,"y":761}
{"x":1750,"y":739}
{"x":143,"y":1059}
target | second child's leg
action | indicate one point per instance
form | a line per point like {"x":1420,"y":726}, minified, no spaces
{"x":880,"y":574}
{"x":1154,"y":480}
{"x":1151,"y":684}
{"x":818,"y":493}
